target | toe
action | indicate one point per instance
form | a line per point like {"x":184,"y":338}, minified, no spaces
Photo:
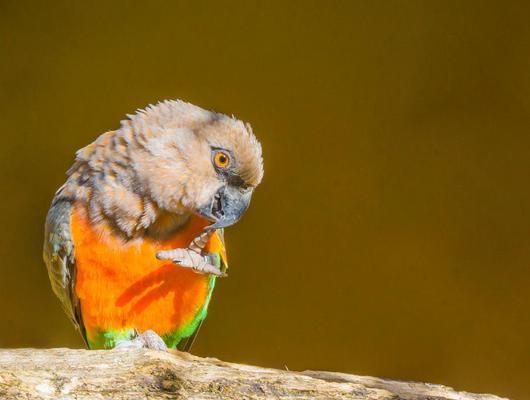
{"x":153,"y":341}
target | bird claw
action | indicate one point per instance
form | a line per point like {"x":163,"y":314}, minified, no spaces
{"x":146,"y":340}
{"x":188,"y":258}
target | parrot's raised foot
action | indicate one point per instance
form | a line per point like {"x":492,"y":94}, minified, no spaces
{"x":189,"y":258}
{"x":146,"y":340}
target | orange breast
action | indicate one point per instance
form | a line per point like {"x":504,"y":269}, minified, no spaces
{"x":121,"y":285}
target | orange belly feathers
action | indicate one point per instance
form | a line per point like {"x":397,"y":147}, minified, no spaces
{"x":123,"y":287}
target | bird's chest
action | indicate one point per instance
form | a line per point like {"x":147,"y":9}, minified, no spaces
{"x":123,"y":285}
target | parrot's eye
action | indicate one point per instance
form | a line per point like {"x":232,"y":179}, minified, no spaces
{"x":221,"y":159}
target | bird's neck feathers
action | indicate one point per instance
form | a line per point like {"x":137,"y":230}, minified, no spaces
{"x":102,"y":177}
{"x":166,"y":225}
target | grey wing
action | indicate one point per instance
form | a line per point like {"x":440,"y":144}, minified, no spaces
{"x":58,"y":255}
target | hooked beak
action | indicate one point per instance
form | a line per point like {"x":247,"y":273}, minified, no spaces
{"x":227,"y":207}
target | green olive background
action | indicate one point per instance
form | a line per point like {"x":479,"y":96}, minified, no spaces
{"x":391,"y":234}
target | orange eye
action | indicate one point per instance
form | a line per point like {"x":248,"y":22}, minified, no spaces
{"x":221,"y":159}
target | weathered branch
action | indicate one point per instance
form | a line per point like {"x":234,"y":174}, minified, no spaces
{"x":147,"y":374}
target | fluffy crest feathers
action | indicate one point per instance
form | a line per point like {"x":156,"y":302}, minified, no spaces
{"x":218,"y":129}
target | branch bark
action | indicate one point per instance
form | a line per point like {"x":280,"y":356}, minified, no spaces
{"x":148,"y":374}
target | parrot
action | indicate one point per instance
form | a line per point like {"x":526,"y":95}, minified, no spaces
{"x":134,"y":239}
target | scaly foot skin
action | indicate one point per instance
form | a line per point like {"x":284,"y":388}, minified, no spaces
{"x":147,"y":340}
{"x":189,"y":258}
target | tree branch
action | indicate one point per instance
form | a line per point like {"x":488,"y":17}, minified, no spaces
{"x":147,"y":374}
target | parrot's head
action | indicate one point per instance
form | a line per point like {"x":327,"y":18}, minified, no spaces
{"x":192,"y":161}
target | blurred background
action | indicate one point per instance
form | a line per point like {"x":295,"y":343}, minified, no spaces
{"x":391,"y":234}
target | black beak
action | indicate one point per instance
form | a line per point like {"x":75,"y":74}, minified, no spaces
{"x":227,"y":207}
